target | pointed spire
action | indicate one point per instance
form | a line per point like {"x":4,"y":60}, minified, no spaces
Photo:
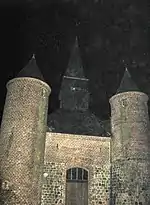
{"x":75,"y":67}
{"x":31,"y":70}
{"x":127,"y":84}
{"x":33,"y":56}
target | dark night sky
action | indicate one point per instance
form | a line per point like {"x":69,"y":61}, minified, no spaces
{"x":109,"y":32}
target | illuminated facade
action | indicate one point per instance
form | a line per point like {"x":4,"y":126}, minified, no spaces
{"x":71,"y":158}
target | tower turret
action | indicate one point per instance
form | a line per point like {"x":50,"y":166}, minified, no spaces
{"x":22,"y":139}
{"x":74,"y":93}
{"x":31,"y":70}
{"x":130,"y":144}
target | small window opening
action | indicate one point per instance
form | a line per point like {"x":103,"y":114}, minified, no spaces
{"x":77,"y":174}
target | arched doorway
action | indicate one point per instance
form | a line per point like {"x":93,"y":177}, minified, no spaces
{"x":76,"y":186}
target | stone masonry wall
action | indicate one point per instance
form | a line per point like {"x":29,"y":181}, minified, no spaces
{"x":130,"y":125}
{"x":130,"y":149}
{"x":100,"y":186}
{"x":64,"y":151}
{"x":53,"y":190}
{"x":22,"y":141}
{"x":130,"y":182}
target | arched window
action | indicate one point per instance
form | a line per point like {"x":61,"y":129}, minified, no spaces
{"x":76,"y":186}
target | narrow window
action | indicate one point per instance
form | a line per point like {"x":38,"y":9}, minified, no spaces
{"x":124,"y":102}
{"x":76,"y":186}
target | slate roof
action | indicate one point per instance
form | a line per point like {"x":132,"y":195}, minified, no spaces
{"x":31,"y":70}
{"x":77,"y":122}
{"x":75,"y":67}
{"x":127,"y":84}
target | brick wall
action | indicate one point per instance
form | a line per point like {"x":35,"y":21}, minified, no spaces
{"x":64,"y":151}
{"x":22,"y":141}
{"x":130,"y":149}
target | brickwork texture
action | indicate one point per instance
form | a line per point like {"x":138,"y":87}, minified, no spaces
{"x":130,"y":149}
{"x":22,"y":141}
{"x":64,"y":151}
{"x":33,"y":162}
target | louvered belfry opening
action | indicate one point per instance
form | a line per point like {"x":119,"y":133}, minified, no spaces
{"x":76,"y":186}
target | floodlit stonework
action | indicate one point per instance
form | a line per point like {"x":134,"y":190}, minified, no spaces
{"x":89,"y":152}
{"x":72,"y":157}
{"x":130,"y":148}
{"x":22,"y":143}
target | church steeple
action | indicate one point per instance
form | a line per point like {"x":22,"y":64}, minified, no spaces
{"x":31,"y":70}
{"x":74,"y":90}
{"x":127,"y":84}
{"x":75,"y":67}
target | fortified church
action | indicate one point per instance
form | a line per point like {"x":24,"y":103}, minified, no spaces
{"x":70,"y":157}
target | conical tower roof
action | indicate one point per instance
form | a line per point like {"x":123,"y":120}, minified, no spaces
{"x":75,"y":67}
{"x":31,"y":70}
{"x":127,"y":84}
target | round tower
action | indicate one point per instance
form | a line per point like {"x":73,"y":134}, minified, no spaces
{"x":22,"y":139}
{"x":130,"y":145}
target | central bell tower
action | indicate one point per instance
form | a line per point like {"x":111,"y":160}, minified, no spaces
{"x":74,"y":93}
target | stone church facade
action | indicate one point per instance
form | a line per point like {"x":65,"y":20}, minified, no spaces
{"x":71,"y":157}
